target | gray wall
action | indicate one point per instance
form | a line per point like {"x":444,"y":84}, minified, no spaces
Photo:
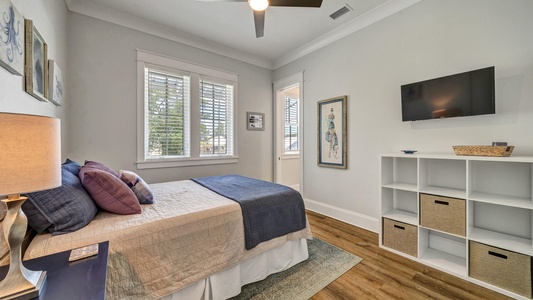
{"x":50,"y":18}
{"x":430,"y":39}
{"x":103,"y":76}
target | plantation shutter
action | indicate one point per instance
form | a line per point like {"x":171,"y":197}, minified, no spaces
{"x":291,"y":124}
{"x":216,"y":118}
{"x":167,"y":111}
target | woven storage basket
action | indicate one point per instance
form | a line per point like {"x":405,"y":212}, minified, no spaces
{"x":483,"y":150}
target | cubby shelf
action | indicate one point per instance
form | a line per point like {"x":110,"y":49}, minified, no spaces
{"x":444,"y":261}
{"x":402,"y":216}
{"x":501,"y":240}
{"x":519,"y":202}
{"x":454,"y":193}
{"x":401,"y":186}
{"x":497,"y":193}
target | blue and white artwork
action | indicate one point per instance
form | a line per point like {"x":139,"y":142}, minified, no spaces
{"x":11,"y":38}
{"x":56,"y":83}
{"x":36,"y":76}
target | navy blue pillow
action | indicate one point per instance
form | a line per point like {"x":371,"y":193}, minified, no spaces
{"x":60,"y":210}
{"x":71,"y":166}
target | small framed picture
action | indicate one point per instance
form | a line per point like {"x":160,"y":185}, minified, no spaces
{"x":255,"y":121}
{"x":55,"y":89}
{"x":36,"y":67}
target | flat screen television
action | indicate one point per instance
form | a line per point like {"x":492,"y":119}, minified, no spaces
{"x":464,"y":94}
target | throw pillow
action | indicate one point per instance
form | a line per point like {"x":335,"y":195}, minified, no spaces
{"x":99,"y":166}
{"x":60,"y":210}
{"x":139,"y":187}
{"x":71,"y":166}
{"x":109,"y":192}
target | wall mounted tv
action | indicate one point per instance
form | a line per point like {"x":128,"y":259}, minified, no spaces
{"x":465,"y":94}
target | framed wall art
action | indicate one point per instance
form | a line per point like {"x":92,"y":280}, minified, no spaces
{"x":55,"y":80}
{"x":332,"y":143}
{"x":11,"y":38}
{"x":36,"y":68}
{"x":255,"y":121}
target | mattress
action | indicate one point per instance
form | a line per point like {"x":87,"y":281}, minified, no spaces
{"x":188,"y":234}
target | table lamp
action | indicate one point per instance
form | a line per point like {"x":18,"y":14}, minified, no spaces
{"x":30,"y":161}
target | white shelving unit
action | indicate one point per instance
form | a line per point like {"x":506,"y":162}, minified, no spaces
{"x":498,"y":192}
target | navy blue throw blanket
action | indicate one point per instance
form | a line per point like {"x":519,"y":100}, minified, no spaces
{"x":268,"y":209}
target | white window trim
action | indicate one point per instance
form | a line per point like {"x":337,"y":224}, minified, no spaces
{"x":144,"y":59}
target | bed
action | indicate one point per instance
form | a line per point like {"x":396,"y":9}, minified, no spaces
{"x":189,"y":244}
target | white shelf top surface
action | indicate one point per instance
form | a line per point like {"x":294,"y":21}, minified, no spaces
{"x":526,"y":203}
{"x":444,"y":261}
{"x":454,"y":193}
{"x":501,"y":240}
{"x":511,"y":158}
{"x":402,"y":216}
{"x":401,"y":186}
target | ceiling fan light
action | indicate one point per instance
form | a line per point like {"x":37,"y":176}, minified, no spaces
{"x":258,"y":5}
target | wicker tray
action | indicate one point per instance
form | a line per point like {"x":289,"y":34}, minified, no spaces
{"x":483,"y":150}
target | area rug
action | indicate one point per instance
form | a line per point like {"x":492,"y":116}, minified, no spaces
{"x":325,"y":264}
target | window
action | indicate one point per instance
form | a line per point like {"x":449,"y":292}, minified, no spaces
{"x":186,"y":113}
{"x":167,"y":114}
{"x":291,"y":127}
{"x":216,"y":112}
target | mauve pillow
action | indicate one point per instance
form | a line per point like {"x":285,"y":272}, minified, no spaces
{"x":60,"y":210}
{"x":139,"y":187}
{"x":109,"y":192}
{"x":71,"y":166}
{"x":99,"y":166}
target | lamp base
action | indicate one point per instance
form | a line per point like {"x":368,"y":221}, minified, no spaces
{"x":19,"y":283}
{"x":29,"y":291}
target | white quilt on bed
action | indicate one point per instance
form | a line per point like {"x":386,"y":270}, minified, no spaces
{"x":188,"y":234}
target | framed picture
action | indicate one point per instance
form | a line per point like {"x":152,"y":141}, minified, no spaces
{"x":332,"y":143}
{"x":11,"y":38}
{"x":36,"y":67}
{"x":255,"y":121}
{"x":55,"y":80}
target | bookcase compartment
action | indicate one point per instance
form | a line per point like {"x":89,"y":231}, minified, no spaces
{"x":502,"y":268}
{"x":504,"y":183}
{"x":445,"y":177}
{"x":400,"y":236}
{"x":400,"y":205}
{"x":443,"y":251}
{"x":443,"y":213}
{"x":501,"y":226}
{"x":399,"y":173}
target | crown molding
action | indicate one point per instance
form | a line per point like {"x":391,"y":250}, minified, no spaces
{"x":116,"y":17}
{"x":375,"y":15}
{"x":96,"y":11}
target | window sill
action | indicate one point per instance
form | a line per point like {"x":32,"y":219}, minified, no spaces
{"x":203,"y":161}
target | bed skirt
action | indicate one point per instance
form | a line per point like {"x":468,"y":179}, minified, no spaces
{"x":228,"y":283}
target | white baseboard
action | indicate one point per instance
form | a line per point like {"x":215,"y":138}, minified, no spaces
{"x":344,"y":215}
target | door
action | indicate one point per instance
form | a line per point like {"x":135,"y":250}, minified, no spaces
{"x":288,"y":132}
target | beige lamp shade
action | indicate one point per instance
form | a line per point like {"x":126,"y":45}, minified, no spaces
{"x":30,"y":153}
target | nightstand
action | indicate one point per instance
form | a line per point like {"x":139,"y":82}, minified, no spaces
{"x":84,"y":279}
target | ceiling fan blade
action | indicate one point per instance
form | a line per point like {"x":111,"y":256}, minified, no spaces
{"x":222,"y":0}
{"x":296,"y":3}
{"x":259,"y":18}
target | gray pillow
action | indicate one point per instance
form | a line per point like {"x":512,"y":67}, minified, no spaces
{"x":60,"y":210}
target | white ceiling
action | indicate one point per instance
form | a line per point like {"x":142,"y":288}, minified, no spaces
{"x":227,"y":28}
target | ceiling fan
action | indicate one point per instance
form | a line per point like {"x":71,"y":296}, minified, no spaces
{"x":259,"y":7}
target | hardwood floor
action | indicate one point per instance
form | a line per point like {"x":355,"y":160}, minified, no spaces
{"x":383,"y":274}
